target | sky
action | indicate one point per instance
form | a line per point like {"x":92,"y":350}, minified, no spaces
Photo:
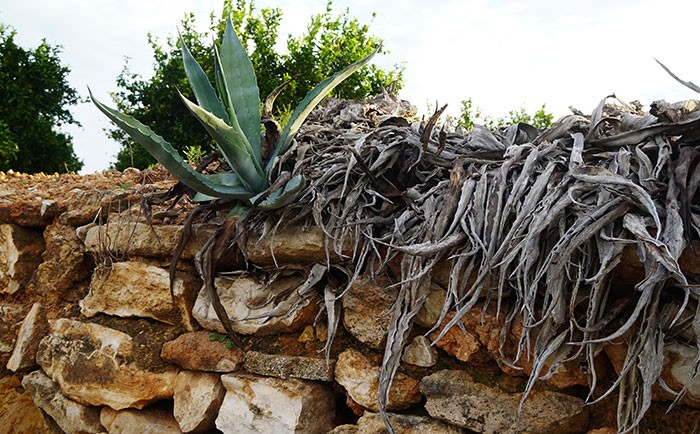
{"x":502,"y":54}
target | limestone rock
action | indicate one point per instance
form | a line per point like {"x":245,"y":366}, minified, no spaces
{"x":95,"y":365}
{"x":568,"y":374}
{"x":283,"y":366}
{"x":245,"y":297}
{"x":152,"y":420}
{"x":460,"y":343}
{"x":10,"y":320}
{"x":19,"y":414}
{"x":365,"y":310}
{"x":138,"y":289}
{"x":429,"y":313}
{"x":20,"y":255}
{"x":372,"y":423}
{"x":452,"y":396}
{"x":71,"y":416}
{"x":63,"y":262}
{"x":84,"y":205}
{"x":678,"y":366}
{"x":138,"y":239}
{"x":420,"y":353}
{"x":34,"y":327}
{"x":480,"y":336}
{"x":33,"y":212}
{"x":196,"y":351}
{"x":197,"y":399}
{"x":291,"y":245}
{"x":360,"y":378}
{"x":270,"y":405}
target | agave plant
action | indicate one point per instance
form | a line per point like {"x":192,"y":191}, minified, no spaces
{"x":230,"y":112}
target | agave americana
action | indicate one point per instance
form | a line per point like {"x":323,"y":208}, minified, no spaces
{"x":230,"y":112}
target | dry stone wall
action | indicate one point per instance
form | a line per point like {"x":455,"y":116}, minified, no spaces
{"x":93,"y":341}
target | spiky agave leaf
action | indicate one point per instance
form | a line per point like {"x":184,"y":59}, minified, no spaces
{"x":169,"y":157}
{"x":201,"y":86}
{"x":310,"y":101}
{"x":284,"y":196}
{"x":242,"y":86}
{"x":228,"y":179}
{"x":233,"y":145}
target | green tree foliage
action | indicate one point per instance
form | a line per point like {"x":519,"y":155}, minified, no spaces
{"x":471,"y":115}
{"x":330,"y":43}
{"x":34,"y":92}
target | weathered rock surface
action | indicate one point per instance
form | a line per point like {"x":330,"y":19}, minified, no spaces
{"x":63,"y":262}
{"x":291,"y":245}
{"x":20,"y":255}
{"x":138,"y":289}
{"x":30,"y":212}
{"x":372,"y":423}
{"x":270,"y":405}
{"x":420,"y":353}
{"x":678,"y":366}
{"x":245,"y":302}
{"x":152,"y":420}
{"x":19,"y":414}
{"x":429,"y":313}
{"x":198,"y":352}
{"x":360,"y":378}
{"x":283,"y":366}
{"x":197,"y":399}
{"x":365,"y":310}
{"x":95,"y":365}
{"x":10,"y":320}
{"x":460,"y":343}
{"x":34,"y":327}
{"x":481,"y":336}
{"x":138,"y":239}
{"x":452,"y":396}
{"x":71,"y":416}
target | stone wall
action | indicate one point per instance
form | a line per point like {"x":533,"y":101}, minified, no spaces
{"x":92,"y":340}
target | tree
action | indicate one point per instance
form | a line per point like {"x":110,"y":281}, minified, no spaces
{"x":35,"y":93}
{"x":329,"y":44}
{"x":471,"y":115}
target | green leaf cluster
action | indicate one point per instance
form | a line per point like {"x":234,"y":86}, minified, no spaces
{"x":35,"y":93}
{"x":331,"y":42}
{"x":470,"y":115}
{"x":229,"y":111}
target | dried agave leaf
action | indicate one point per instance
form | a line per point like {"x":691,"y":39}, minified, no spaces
{"x":537,"y":228}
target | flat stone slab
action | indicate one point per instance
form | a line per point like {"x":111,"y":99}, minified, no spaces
{"x":95,"y":365}
{"x":283,"y":366}
{"x":454,"y":397}
{"x":271,"y":405}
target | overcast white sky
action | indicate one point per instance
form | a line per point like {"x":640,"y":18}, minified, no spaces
{"x":503,"y":54}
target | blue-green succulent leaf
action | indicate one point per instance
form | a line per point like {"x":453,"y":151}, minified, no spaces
{"x":226,"y":97}
{"x":221,"y":86}
{"x":284,"y":196}
{"x":169,"y":157}
{"x":233,"y":145}
{"x":310,"y":101}
{"x":242,"y":86}
{"x":201,"y":86}
{"x":228,"y":179}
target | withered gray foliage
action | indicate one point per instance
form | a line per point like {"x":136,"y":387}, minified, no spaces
{"x":539,"y":219}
